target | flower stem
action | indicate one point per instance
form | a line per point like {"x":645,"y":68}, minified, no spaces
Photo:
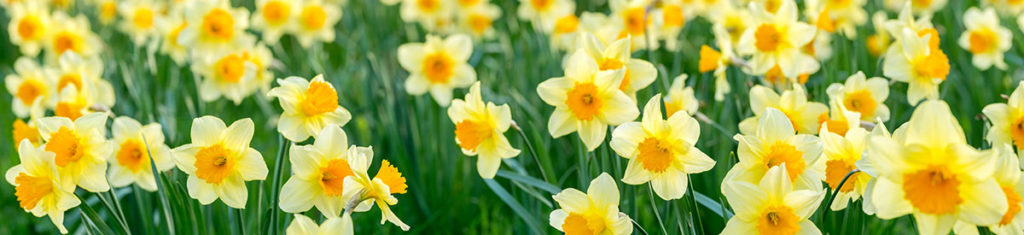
{"x":275,"y":187}
{"x":828,"y":206}
{"x":533,"y":152}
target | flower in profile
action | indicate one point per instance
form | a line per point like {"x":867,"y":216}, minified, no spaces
{"x":777,"y":39}
{"x":80,"y":149}
{"x":985,"y":38}
{"x":134,"y":146}
{"x":802,"y":114}
{"x":72,"y":34}
{"x":38,"y":187}
{"x":1008,"y":175}
{"x":22,"y":130}
{"x":315,"y":22}
{"x":775,"y":143}
{"x":140,"y":17}
{"x":680,"y":98}
{"x":219,"y":161}
{"x":378,"y":190}
{"x":273,"y":17}
{"x":170,"y":29}
{"x":841,"y":152}
{"x":593,"y":212}
{"x":914,"y":61}
{"x":32,"y":89}
{"x":438,"y":66}
{"x":638,"y":73}
{"x":227,"y":74}
{"x":879,"y":42}
{"x":718,"y":62}
{"x":1007,"y":121}
{"x":544,"y":13}
{"x":771,"y":206}
{"x":302,"y":225}
{"x":480,"y":129}
{"x":309,"y":107}
{"x":319,"y":171}
{"x":213,"y":26}
{"x":29,"y":26}
{"x":864,"y":96}
{"x":586,"y":100}
{"x":661,"y":151}
{"x":927,"y":169}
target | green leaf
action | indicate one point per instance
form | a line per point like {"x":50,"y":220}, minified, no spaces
{"x":94,"y":221}
{"x":713,"y":206}
{"x":527,"y":216}
{"x":529,"y":181}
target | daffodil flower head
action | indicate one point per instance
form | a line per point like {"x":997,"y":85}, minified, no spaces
{"x":39,"y":188}
{"x":844,"y":16}
{"x":219,"y":161}
{"x":170,"y":29}
{"x":1008,"y":175}
{"x":134,"y":147}
{"x":777,"y":39}
{"x":480,"y":130}
{"x":1007,"y":121}
{"x":916,"y":6}
{"x":478,"y":20}
{"x":438,"y":66}
{"x":320,"y":171}
{"x":774,"y":143}
{"x":29,"y":26}
{"x":544,"y":13}
{"x":227,"y":74}
{"x":314,"y":22}
{"x":80,"y":149}
{"x":80,"y":72}
{"x":273,"y":17}
{"x":140,"y":19}
{"x":72,"y":34}
{"x":680,"y":98}
{"x":862,"y":95}
{"x":22,"y":130}
{"x":378,"y":190}
{"x":632,"y":20}
{"x":31,"y":87}
{"x":309,"y":107}
{"x":839,"y":120}
{"x":593,"y":212}
{"x":638,"y":73}
{"x":213,"y":26}
{"x":841,"y":153}
{"x":426,"y":12}
{"x":915,"y":61}
{"x":771,"y":206}
{"x":802,"y":114}
{"x":302,"y":225}
{"x":985,"y":38}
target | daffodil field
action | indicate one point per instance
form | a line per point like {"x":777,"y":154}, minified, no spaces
{"x":512,"y":117}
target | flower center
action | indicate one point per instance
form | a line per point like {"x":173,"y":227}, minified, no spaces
{"x":214,"y":163}
{"x":922,"y":3}
{"x":332,"y":176}
{"x":709,"y":59}
{"x":1013,"y":200}
{"x":219,"y":25}
{"x":143,"y":18}
{"x":635,"y":21}
{"x":673,"y":15}
{"x":767,"y":38}
{"x":23,"y":131}
{"x":932,"y":190}
{"x":655,"y":155}
{"x":108,"y":10}
{"x":320,"y":98}
{"x":470,"y":134}
{"x":778,"y":220}
{"x":70,"y":79}
{"x":567,"y":24}
{"x":230,"y":68}
{"x":780,"y":153}
{"x":836,"y":170}
{"x":276,"y":12}
{"x":65,"y":41}
{"x":132,"y":155}
{"x":391,"y":177}
{"x":935,"y":65}
{"x":428,"y":5}
{"x":438,"y":67}
{"x":313,"y":17}
{"x":31,"y":190}
{"x":861,"y":102}
{"x":981,"y":41}
{"x":772,"y":5}
{"x":577,"y":223}
{"x":66,"y":145}
{"x":71,"y":110}
{"x":30,"y":27}
{"x":1017,"y":133}
{"x":467,"y":3}
{"x":933,"y":41}
{"x":541,"y":5}
{"x":583,"y":101}
{"x":28,"y":91}
{"x":838,"y":126}
{"x":479,"y":23}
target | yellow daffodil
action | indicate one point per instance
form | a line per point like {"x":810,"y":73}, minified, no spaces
{"x":544,"y":13}
{"x":229,"y":74}
{"x":632,"y":20}
{"x":31,"y":88}
{"x":72,"y":103}
{"x":718,"y":62}
{"x":839,"y":120}
{"x":427,"y":12}
{"x":170,"y":29}
{"x":820,"y":48}
{"x":985,"y":38}
{"x":38,"y":187}
{"x":213,"y":26}
{"x":303,"y":225}
{"x":140,"y":17}
{"x":733,"y":19}
{"x":309,"y":107}
{"x":843,"y":16}
{"x":80,"y":149}
{"x":879,"y":42}
{"x":107,"y":11}
{"x":919,"y":7}
{"x":802,"y":114}
{"x":315,"y":22}
{"x":771,"y":206}
{"x":775,"y":143}
{"x":913,"y":61}
{"x":680,"y":98}
{"x":30,"y":26}
{"x":438,"y":66}
{"x":77,"y":72}
{"x":776,"y":39}
{"x":927,"y":169}
{"x":261,"y":57}
{"x":593,"y":212}
{"x":617,"y":55}
{"x":478,"y":20}
{"x":670,"y":17}
{"x":1006,"y":7}
{"x":134,"y":146}
{"x":480,"y":129}
{"x":921,"y":25}
{"x":1008,"y":175}
{"x":22,"y":130}
{"x":219,"y":161}
{"x":1007,"y":121}
{"x":586,"y":100}
{"x":72,"y":34}
{"x":273,"y":17}
{"x":566,"y":29}
{"x":841,"y":152}
{"x":864,"y":96}
{"x":661,"y":151}
{"x":320,"y":170}
{"x":377,"y":190}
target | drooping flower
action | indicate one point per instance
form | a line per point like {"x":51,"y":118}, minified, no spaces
{"x":775,"y":143}
{"x":985,"y":38}
{"x":480,"y":129}
{"x":680,"y":98}
{"x":302,"y":225}
{"x":661,"y":151}
{"x":802,"y":114}
{"x":593,"y":212}
{"x":133,"y":147}
{"x":864,"y":96}
{"x":219,"y":161}
{"x":80,"y":148}
{"x":438,"y":66}
{"x":309,"y":107}
{"x":31,"y":88}
{"x":377,"y":190}
{"x":38,"y":187}
{"x":29,"y":26}
{"x":776,"y":39}
{"x":771,"y":205}
{"x":319,"y":171}
{"x":638,"y":73}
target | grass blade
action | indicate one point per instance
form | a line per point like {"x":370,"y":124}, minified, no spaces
{"x":527,"y":217}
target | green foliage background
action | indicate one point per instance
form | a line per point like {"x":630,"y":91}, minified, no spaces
{"x":446,"y":195}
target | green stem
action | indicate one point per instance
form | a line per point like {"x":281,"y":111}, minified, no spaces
{"x":835,"y":191}
{"x":238,"y":220}
{"x":654,"y":208}
{"x":275,"y":187}
{"x":533,"y":152}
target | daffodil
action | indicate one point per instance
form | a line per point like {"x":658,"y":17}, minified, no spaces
{"x":913,"y":61}
{"x":80,"y":149}
{"x":438,"y":66}
{"x":544,"y":13}
{"x":21,"y":130}
{"x":1006,"y":7}
{"x":213,"y":26}
{"x":302,"y":225}
{"x":78,"y":72}
{"x":661,"y":151}
{"x":617,"y":55}
{"x":776,"y":39}
{"x":1007,"y":121}
{"x":309,"y":107}
{"x":170,"y":29}
{"x":864,"y":96}
{"x":480,"y":129}
{"x":315,"y":22}
{"x":879,"y":42}
{"x":320,"y":170}
{"x":632,"y":20}
{"x":72,"y":34}
{"x":478,"y":20}
{"x":905,"y":19}
{"x":802,"y":114}
{"x":734,"y":20}
{"x":985,"y":38}
{"x":680,"y":98}
{"x":775,"y":143}
{"x":843,"y":16}
{"x":134,"y":146}
{"x":31,"y":88}
{"x":140,"y":17}
{"x":586,"y":100}
{"x":427,"y":12}
{"x":839,"y":120}
{"x":564,"y":32}
{"x":377,"y":190}
{"x":927,"y":169}
{"x":273,"y":17}
{"x":73,"y":103}
{"x":771,"y":205}
{"x":593,"y":212}
{"x":261,"y":57}
{"x":227,"y":74}
{"x":841,"y":152}
{"x":1008,"y":175}
{"x":38,"y":187}
{"x":219,"y":161}
{"x":669,"y":18}
{"x":107,"y":11}
{"x":29,"y":26}
{"x":718,"y":62}
{"x":919,"y":7}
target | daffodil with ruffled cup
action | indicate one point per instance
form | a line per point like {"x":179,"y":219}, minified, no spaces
{"x":219,"y":161}
{"x":309,"y":106}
